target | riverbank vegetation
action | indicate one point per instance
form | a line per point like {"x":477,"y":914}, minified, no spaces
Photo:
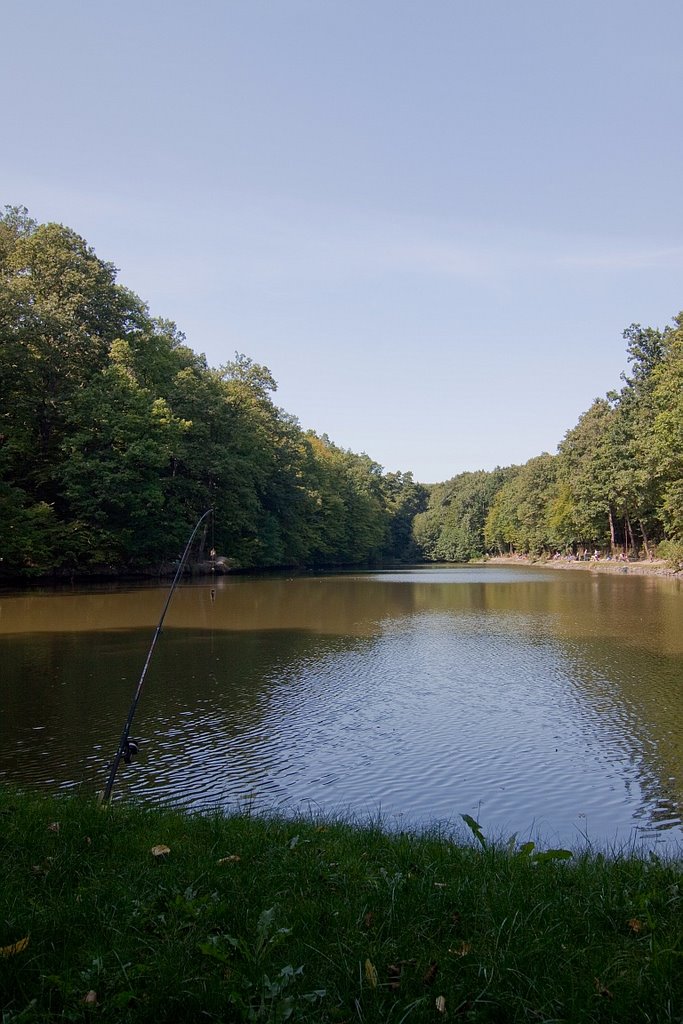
{"x":115,"y":436}
{"x":616,"y":483}
{"x":127,"y":914}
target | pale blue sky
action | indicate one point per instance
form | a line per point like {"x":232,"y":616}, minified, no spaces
{"x":432,"y":220}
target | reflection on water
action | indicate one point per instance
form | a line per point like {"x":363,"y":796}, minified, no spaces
{"x":541,"y":702}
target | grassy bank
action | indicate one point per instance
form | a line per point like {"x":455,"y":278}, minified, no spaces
{"x":247,"y":919}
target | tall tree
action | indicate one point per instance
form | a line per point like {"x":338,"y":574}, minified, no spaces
{"x":115,"y":469}
{"x":451,"y":528}
{"x":60,"y":311}
{"x":586,"y":471}
{"x":404,"y":499}
{"x":519,"y":514}
{"x":665,"y":452}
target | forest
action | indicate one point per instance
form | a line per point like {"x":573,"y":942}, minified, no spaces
{"x":615,"y":484}
{"x":115,"y":437}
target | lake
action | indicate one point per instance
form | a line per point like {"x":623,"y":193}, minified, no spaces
{"x":540,"y":702}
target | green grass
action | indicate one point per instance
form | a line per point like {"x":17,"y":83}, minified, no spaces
{"x":252,"y":919}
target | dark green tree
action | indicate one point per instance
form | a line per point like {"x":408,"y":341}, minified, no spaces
{"x":451,"y":529}
{"x":519,"y":514}
{"x":404,"y":499}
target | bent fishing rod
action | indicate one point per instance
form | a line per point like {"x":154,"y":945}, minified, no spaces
{"x":127,"y":747}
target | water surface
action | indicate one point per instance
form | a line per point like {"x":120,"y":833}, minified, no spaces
{"x":542,"y":702}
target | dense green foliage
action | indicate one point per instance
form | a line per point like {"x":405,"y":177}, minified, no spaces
{"x":115,"y":436}
{"x":451,"y":529}
{"x":247,"y":919}
{"x":616,"y":483}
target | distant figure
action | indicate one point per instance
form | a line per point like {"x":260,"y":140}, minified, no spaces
{"x":596,"y":556}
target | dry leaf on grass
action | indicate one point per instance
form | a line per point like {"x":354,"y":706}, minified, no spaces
{"x":441,"y":1004}
{"x":160,"y":850}
{"x":16,"y":947}
{"x":462,"y":950}
{"x":229,"y":860}
{"x":371,"y":974}
{"x":91,"y":998}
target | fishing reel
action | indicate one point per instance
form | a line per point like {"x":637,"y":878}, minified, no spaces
{"x":130,"y":749}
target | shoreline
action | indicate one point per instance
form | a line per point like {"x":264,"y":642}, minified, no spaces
{"x":657,"y":567}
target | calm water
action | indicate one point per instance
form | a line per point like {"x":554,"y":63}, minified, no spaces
{"x":541,"y":702}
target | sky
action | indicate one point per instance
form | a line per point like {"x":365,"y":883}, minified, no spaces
{"x":431,"y":219}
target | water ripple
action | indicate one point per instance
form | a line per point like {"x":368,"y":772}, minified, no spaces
{"x":473,"y":706}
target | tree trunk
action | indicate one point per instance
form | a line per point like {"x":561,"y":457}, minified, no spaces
{"x":202,"y":543}
{"x":647,"y":549}
{"x":629,"y":532}
{"x":611,"y":528}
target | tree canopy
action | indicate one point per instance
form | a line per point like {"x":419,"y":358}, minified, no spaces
{"x":616,"y":482}
{"x":115,"y":436}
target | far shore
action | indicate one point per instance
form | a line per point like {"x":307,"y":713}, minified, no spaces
{"x":654,"y":567}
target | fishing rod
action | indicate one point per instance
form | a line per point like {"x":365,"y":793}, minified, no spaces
{"x":127,"y":746}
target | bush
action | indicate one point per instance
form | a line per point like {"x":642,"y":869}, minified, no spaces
{"x":672,"y":552}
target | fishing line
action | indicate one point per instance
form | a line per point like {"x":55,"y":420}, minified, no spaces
{"x":127,"y":747}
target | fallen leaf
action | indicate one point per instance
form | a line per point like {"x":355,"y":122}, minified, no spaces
{"x":91,"y":998}
{"x":441,"y":1004}
{"x":53,"y":826}
{"x":229,"y":860}
{"x":369,"y":919}
{"x":601,"y":989}
{"x":439,"y":885}
{"x":635,"y":925}
{"x":371,"y":974}
{"x":160,"y":850}
{"x":16,"y":947}
{"x":430,"y":973}
{"x":462,"y":950}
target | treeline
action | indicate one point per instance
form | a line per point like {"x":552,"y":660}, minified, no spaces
{"x":616,"y":483}
{"x":115,"y":436}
